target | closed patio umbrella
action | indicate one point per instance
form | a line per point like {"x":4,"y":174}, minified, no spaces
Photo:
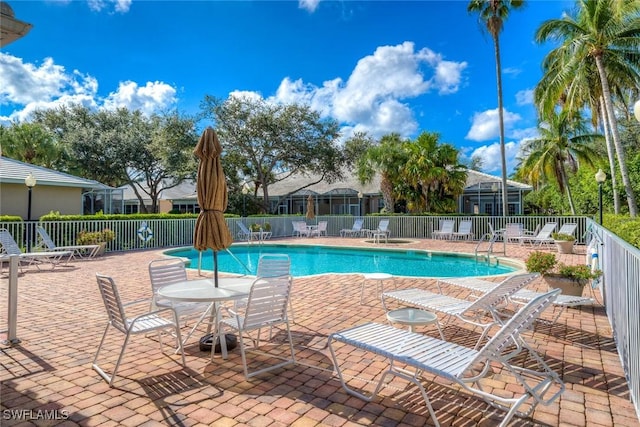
{"x":310,"y":208}
{"x":211,"y":231}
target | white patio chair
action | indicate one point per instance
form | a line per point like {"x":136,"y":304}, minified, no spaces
{"x":167,"y":271}
{"x":471,"y":369}
{"x":276,"y":265}
{"x":355,"y":230}
{"x":8,"y":246}
{"x":446,"y":229}
{"x":141,"y":324}
{"x":472,"y":312}
{"x":382,"y":230}
{"x":464,"y":231}
{"x":266,"y":307}
{"x":77,"y":251}
{"x":300,"y":229}
{"x":542,"y":238}
{"x":512,"y":232}
{"x":320,"y":230}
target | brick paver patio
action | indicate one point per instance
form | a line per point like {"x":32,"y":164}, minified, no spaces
{"x":61,"y":319}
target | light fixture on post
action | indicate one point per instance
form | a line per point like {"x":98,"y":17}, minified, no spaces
{"x":636,"y":110}
{"x":360,"y":196}
{"x":30,"y":182}
{"x":494,"y":208}
{"x":600,"y":178}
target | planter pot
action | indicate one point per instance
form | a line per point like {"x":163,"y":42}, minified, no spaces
{"x":568,"y":286}
{"x":564,"y":246}
{"x":102,"y":249}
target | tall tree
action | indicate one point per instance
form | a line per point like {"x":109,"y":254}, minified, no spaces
{"x":562,"y":144}
{"x":276,"y":141}
{"x":120,"y":147}
{"x":433,"y":169}
{"x":607,"y":33}
{"x":31,"y":143}
{"x":493,"y":13}
{"x":386,"y":158}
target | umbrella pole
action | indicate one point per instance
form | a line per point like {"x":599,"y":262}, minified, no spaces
{"x":215,"y":268}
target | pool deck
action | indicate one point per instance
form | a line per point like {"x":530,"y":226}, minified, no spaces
{"x":61,"y":319}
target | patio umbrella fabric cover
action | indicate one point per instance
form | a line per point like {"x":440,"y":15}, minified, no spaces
{"x":211,"y":230}
{"x":310,"y":208}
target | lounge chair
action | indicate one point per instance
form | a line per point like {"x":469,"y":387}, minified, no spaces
{"x":320,"y":230}
{"x":300,"y":229}
{"x":248,"y":235}
{"x":8,"y":246}
{"x":536,"y":382}
{"x":354,"y":231}
{"x":482,"y":286}
{"x":464,"y":231}
{"x":542,"y":238}
{"x":78,"y":251}
{"x":473,"y":312}
{"x":446,"y":229}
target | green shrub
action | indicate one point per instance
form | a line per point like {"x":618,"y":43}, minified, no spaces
{"x":95,"y":237}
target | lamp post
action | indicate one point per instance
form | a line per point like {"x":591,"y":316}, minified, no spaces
{"x":600,"y":178}
{"x":494,"y":189}
{"x":245,"y":190}
{"x":30,"y":182}
{"x":360,"y":196}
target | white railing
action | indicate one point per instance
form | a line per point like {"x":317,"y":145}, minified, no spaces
{"x":163,"y":233}
{"x":620,"y":263}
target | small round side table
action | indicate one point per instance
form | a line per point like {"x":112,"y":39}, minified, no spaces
{"x":378,"y":277}
{"x":413,"y":317}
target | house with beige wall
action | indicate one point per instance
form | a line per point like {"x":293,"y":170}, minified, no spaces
{"x":53,"y":191}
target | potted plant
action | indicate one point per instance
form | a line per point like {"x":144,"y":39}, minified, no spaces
{"x":570,"y":278}
{"x":564,"y":242}
{"x":96,"y":238}
{"x":261,"y":227}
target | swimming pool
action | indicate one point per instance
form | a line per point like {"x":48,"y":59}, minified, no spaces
{"x":309,"y":260}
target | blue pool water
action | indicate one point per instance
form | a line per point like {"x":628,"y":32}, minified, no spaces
{"x":312,"y":260}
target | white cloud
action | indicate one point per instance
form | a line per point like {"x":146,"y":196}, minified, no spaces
{"x":372,"y":97}
{"x":524,"y":97}
{"x":120,"y":6}
{"x":486,"y":125}
{"x":512,"y":71}
{"x":308,"y":5}
{"x":148,"y":99}
{"x":492,"y":159}
{"x":50,"y":85}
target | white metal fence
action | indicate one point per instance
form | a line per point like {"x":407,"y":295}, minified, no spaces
{"x":162,"y":233}
{"x":620,"y":263}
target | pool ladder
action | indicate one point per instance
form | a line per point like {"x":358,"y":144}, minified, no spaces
{"x":488,"y":239}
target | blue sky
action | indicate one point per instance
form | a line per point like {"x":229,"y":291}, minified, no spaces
{"x":374,"y":66}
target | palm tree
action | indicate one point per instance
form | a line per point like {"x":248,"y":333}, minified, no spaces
{"x":607,"y":33}
{"x":385,"y":158}
{"x":433,"y":171}
{"x":563,"y":143}
{"x":493,"y":13}
{"x":579,"y":89}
